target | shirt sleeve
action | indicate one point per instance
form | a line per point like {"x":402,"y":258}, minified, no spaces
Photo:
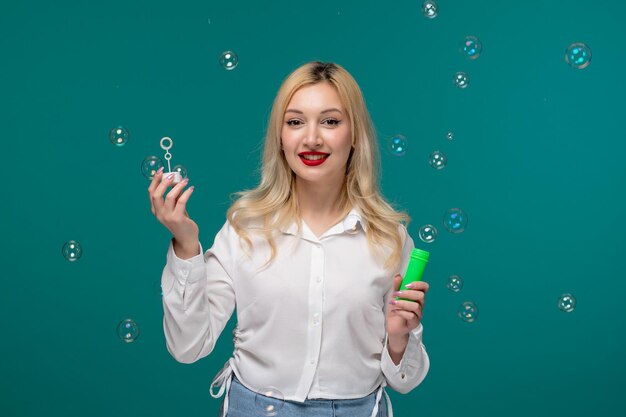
{"x":414,"y":365}
{"x":198,"y":297}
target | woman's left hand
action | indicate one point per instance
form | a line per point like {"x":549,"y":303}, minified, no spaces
{"x":404,"y":316}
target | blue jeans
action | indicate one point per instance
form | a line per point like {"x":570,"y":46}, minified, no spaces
{"x":241,"y":403}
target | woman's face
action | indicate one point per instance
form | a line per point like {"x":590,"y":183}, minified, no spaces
{"x":316,"y":135}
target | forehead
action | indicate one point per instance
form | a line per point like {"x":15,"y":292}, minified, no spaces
{"x":315,"y":96}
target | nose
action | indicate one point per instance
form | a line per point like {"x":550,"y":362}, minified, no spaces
{"x":313,"y":138}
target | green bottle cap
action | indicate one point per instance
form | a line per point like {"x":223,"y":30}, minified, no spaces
{"x":419,"y":254}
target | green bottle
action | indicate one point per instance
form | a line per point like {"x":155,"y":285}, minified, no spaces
{"x":414,"y":270}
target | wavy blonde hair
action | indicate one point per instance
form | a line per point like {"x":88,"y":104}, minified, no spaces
{"x":272,"y":205}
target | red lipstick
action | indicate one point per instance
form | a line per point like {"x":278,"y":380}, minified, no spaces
{"x":314,"y":158}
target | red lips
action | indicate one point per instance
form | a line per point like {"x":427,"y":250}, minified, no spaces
{"x":313,"y":162}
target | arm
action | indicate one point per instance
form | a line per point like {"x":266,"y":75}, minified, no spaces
{"x":404,"y":361}
{"x":198,"y":298}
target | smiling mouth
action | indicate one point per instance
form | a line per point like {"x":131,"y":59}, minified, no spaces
{"x":313,"y":158}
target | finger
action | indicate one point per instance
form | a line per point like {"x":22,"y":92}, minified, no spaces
{"x":418,"y":296}
{"x":419,"y":286}
{"x":407,"y":315}
{"x":171,"y":198}
{"x":156,"y":179}
{"x":181,"y":206}
{"x":407,"y":306}
{"x":157,"y":195}
{"x":397,"y":281}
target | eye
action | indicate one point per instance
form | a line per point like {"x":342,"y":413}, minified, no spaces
{"x":332,"y":122}
{"x":293,"y":122}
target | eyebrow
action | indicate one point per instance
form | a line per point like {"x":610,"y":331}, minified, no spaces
{"x":299,"y":112}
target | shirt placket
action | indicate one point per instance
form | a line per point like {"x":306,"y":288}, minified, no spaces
{"x":314,"y":322}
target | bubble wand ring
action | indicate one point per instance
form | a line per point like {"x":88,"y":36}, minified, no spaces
{"x":166,"y":147}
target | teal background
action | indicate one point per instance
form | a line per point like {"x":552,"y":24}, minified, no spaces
{"x":536,"y":163}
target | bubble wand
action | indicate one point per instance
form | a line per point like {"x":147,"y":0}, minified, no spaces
{"x":177,"y":177}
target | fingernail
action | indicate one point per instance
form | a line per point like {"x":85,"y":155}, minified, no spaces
{"x":160,"y":170}
{"x":169,"y":177}
{"x":411,"y":285}
{"x":393,"y":302}
{"x":397,"y":293}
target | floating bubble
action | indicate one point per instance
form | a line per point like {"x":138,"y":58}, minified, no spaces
{"x":578,"y":55}
{"x":269,"y":401}
{"x":461,"y":79}
{"x":430,"y":9}
{"x":471,"y":47}
{"x":72,"y":251}
{"x":150,"y":166}
{"x":455,"y":283}
{"x":229,"y":60}
{"x":455,"y":220}
{"x":567,"y":303}
{"x":181,"y":170}
{"x":127,"y":330}
{"x":449,"y":135}
{"x":468,"y":311}
{"x":119,"y":136}
{"x":428,"y":233}
{"x":396,"y":145}
{"x":438,"y":160}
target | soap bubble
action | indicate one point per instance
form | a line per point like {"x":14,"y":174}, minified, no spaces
{"x":455,"y":220}
{"x":72,"y":251}
{"x":229,"y":60}
{"x":455,"y":283}
{"x":181,"y":170}
{"x":578,"y":55}
{"x":150,"y":166}
{"x":438,"y":160}
{"x":127,"y":330}
{"x":428,"y":233}
{"x":449,"y":135}
{"x":396,"y":145}
{"x":468,"y":311}
{"x":567,"y":303}
{"x":269,"y":401}
{"x":471,"y":47}
{"x":430,"y":9}
{"x":461,"y":79}
{"x":119,"y":136}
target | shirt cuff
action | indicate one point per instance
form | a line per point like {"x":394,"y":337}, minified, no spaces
{"x":413,"y":366}
{"x":181,"y":270}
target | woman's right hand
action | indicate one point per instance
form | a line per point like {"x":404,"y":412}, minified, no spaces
{"x":172,"y":211}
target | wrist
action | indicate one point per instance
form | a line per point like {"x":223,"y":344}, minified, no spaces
{"x":186,"y":250}
{"x":397,"y":344}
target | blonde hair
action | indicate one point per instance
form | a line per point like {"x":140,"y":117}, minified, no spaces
{"x":272,"y":205}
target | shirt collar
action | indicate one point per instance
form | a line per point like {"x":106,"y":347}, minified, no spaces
{"x":348,"y":225}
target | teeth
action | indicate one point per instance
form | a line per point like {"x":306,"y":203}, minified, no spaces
{"x":313,"y":157}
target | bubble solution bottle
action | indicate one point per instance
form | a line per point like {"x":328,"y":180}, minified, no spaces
{"x":414,"y":270}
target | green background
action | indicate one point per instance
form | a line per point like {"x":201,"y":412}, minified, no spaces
{"x":536,"y":163}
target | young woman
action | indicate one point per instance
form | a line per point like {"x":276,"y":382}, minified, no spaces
{"x":310,"y":258}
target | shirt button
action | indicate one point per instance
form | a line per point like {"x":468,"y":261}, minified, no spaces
{"x":316,"y":319}
{"x":319,"y":278}
{"x":312,"y":361}
{"x":184,"y":272}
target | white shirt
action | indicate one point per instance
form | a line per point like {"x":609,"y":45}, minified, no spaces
{"x":311,"y":324}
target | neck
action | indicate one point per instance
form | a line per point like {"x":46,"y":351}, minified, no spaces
{"x":321,"y":201}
